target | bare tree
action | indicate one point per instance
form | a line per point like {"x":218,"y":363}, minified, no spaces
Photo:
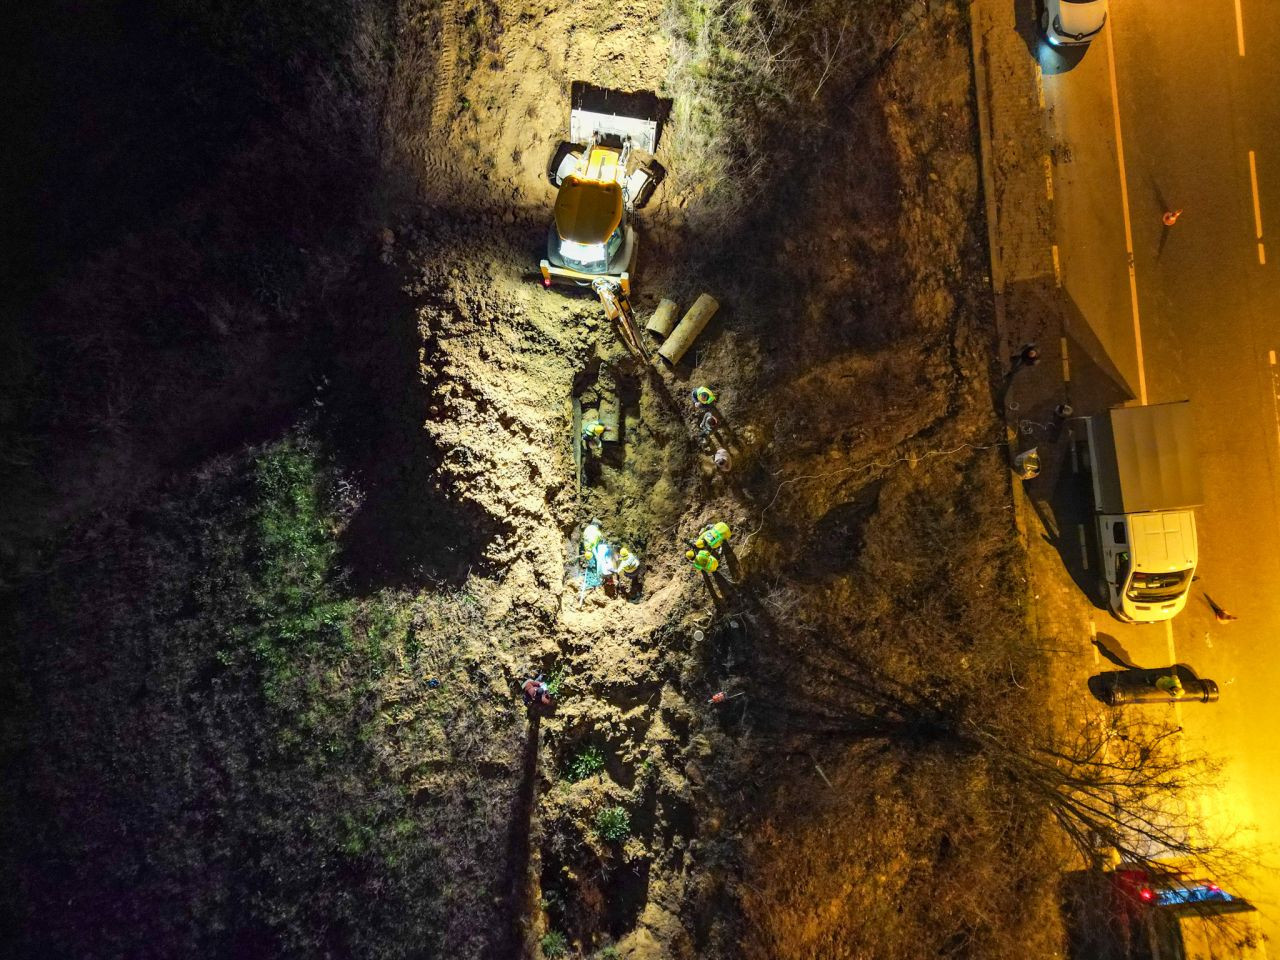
{"x":1119,"y":783}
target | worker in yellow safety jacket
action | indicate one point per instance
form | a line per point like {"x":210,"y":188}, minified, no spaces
{"x":593,"y":435}
{"x":1171,"y":684}
{"x":714,"y":537}
{"x":704,"y":560}
{"x":591,"y":536}
{"x":628,"y":562}
{"x":703,"y":396}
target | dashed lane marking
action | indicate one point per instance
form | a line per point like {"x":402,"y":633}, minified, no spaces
{"x":1057,"y":265}
{"x":1093,"y":641}
{"x":1066,"y":361}
{"x":1275,"y":395}
{"x":1040,"y":83}
{"x":1257,"y":207}
{"x":1048,"y":177}
{"x":1124,"y":201}
{"x":1084,"y":548}
{"x":1239,"y":28}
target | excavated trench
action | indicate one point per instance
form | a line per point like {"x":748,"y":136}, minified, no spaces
{"x":503,"y":364}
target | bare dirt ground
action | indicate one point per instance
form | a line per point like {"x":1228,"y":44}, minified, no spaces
{"x":853,"y":344}
{"x":275,"y":614}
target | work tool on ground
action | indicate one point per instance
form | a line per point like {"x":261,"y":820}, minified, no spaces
{"x":577,"y":448}
{"x":721,"y":697}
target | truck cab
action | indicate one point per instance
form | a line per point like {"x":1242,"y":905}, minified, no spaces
{"x":1148,"y":561}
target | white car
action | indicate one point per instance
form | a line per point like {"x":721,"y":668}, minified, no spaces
{"x":1070,"y":23}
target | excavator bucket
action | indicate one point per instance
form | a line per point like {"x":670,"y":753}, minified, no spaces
{"x":642,"y":133}
{"x":615,"y":114}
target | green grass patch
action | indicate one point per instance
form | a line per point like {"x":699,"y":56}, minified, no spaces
{"x":613,"y":824}
{"x":554,"y":945}
{"x":586,"y":763}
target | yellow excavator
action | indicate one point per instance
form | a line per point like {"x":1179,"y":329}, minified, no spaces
{"x":600,"y":181}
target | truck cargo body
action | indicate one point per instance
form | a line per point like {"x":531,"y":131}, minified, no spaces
{"x":1145,"y":484}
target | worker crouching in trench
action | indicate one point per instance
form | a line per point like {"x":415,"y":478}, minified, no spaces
{"x":616,"y":569}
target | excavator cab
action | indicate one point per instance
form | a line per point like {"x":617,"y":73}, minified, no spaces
{"x":600,"y":182}
{"x":590,"y":237}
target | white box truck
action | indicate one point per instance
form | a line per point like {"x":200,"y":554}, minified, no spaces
{"x":1145,"y":484}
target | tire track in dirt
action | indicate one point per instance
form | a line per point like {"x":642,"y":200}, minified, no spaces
{"x":442,"y":96}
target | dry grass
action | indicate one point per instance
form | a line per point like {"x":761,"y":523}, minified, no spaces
{"x":750,"y":80}
{"x":921,"y":845}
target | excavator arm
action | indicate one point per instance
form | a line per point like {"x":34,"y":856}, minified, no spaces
{"x":618,"y":308}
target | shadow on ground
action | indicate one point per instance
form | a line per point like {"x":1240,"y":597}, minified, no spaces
{"x":1086,"y":380}
{"x":1062,"y":500}
{"x":519,"y":849}
{"x":406,"y":529}
{"x":1094,"y":931}
{"x":1113,"y":650}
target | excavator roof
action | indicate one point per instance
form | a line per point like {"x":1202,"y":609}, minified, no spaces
{"x":588,"y":211}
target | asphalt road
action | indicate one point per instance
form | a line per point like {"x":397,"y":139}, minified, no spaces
{"x":1177,"y":106}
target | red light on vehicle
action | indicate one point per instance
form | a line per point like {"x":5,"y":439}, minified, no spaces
{"x":546,"y":282}
{"x":1213,"y":887}
{"x":1147,"y":894}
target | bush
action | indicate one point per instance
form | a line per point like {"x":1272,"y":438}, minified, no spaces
{"x":613,"y":824}
{"x":554,"y":945}
{"x":589,"y":761}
